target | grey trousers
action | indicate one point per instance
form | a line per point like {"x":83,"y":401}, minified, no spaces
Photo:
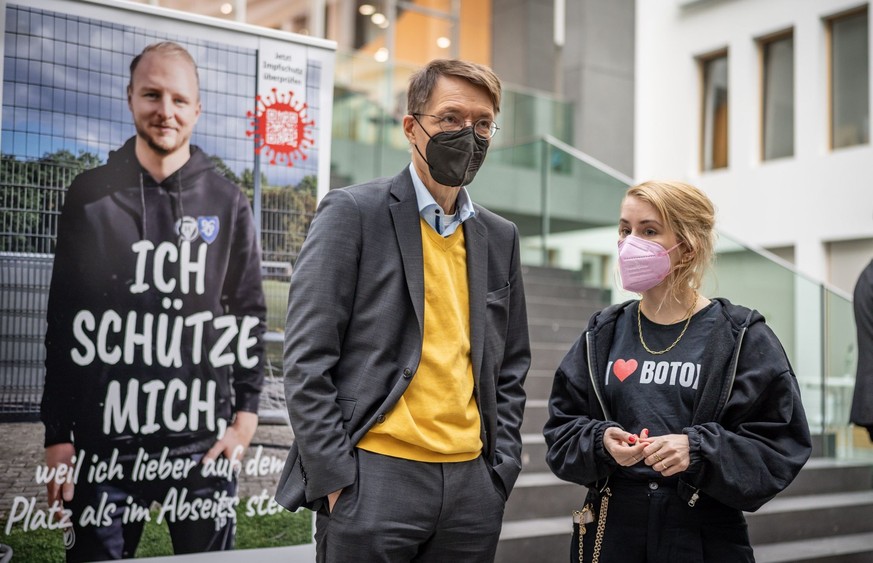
{"x":400,"y":510}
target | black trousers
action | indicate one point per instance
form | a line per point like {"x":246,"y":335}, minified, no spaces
{"x":197,"y":514}
{"x":401,"y":511}
{"x":647,"y":522}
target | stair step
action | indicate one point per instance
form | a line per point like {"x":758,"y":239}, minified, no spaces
{"x":849,"y":548}
{"x":564,"y":282}
{"x":549,"y":273}
{"x":533,"y":453}
{"x":824,"y":444}
{"x":828,"y":475}
{"x":566,"y":290}
{"x":535,"y":539}
{"x":547,"y":355}
{"x":796,"y":518}
{"x":548,"y":539}
{"x":538,"y":384}
{"x":536,"y":413}
{"x":557,"y":308}
{"x":533,"y":527}
{"x":542,"y":495}
{"x":563,"y":333}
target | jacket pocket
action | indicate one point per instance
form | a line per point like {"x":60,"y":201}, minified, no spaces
{"x":497,"y":294}
{"x":347,"y":407}
{"x":496,"y":320}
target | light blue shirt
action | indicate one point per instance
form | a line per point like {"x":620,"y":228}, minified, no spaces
{"x":434,"y":215}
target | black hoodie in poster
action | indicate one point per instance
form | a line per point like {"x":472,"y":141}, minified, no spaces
{"x":156,"y":311}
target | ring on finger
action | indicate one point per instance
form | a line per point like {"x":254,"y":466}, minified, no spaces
{"x":664,"y":465}
{"x":658,"y":457}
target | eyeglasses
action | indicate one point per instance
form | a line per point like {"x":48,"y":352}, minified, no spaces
{"x":451,"y":123}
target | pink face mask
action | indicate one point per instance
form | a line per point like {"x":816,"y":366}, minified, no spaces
{"x":643,"y":264}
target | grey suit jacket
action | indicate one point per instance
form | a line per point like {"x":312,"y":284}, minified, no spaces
{"x":353,"y":333}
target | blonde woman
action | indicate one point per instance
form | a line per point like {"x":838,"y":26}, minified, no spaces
{"x":677,"y":411}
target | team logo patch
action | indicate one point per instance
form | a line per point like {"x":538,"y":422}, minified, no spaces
{"x":624,"y":369}
{"x":186,"y":228}
{"x":208,"y":227}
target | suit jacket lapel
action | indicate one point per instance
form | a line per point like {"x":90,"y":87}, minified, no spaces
{"x":475,"y":235}
{"x":407,"y":229}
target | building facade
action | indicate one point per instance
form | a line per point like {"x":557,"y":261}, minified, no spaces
{"x":766,"y":106}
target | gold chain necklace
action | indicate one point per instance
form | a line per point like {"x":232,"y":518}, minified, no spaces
{"x":678,"y":338}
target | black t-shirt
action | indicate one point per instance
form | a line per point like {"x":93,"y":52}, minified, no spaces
{"x":644,"y":390}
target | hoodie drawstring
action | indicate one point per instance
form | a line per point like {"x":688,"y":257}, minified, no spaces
{"x":180,"y":209}
{"x":142,"y":202}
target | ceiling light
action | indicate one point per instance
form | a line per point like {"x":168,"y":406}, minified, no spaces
{"x":443,"y":42}
{"x":226,"y":8}
{"x":366,"y":10}
{"x":381,"y":54}
{"x":378,"y":18}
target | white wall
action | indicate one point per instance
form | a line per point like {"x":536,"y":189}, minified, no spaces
{"x":817,"y":196}
{"x":846,"y":261}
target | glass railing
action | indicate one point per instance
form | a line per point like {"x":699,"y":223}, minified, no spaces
{"x":840,"y":362}
{"x":566,"y":205}
{"x":564,"y":202}
{"x":815,"y":324}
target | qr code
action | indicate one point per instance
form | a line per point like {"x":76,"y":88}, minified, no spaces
{"x":282,"y":127}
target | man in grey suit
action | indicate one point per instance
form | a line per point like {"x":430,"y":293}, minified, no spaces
{"x":406,"y":346}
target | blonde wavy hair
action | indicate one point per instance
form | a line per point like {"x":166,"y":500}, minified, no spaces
{"x":690,"y":214}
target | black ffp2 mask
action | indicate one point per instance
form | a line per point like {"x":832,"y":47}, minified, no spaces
{"x":454,"y":158}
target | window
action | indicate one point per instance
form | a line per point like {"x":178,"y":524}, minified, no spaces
{"x":849,"y":79}
{"x":714,"y":133}
{"x":777,"y":97}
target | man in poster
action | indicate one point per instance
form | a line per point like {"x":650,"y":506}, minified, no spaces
{"x":154,"y":341}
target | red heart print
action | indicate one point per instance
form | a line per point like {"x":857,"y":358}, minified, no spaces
{"x":622,"y":369}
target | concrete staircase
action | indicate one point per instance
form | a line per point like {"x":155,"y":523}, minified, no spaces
{"x":536,"y":524}
{"x":825,"y":516}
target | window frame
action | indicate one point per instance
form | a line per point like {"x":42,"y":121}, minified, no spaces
{"x":762,"y":43}
{"x":829,"y":62}
{"x":702,"y":62}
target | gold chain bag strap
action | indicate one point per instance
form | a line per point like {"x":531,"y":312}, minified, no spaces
{"x":586,"y":516}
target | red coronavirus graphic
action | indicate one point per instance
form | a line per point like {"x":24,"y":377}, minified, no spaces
{"x":281,"y":127}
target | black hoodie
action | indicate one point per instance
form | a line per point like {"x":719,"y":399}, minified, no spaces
{"x":748,"y":438}
{"x":156,"y":311}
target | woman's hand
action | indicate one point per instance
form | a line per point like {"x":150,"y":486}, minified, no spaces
{"x":625,"y":448}
{"x":668,"y":454}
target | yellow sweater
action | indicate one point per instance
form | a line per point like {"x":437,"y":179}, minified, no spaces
{"x":436,"y":419}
